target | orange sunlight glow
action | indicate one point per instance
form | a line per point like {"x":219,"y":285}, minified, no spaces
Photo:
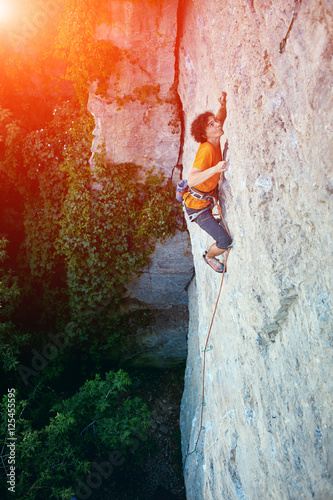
{"x":6,"y":10}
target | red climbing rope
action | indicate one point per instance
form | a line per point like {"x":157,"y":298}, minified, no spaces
{"x":203,"y":404}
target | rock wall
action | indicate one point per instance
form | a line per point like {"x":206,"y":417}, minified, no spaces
{"x":165,"y":280}
{"x":267,"y":429}
{"x":268,"y":394}
{"x":163,"y":288}
{"x":140,"y":122}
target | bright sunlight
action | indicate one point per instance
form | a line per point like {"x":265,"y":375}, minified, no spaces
{"x":6,"y":10}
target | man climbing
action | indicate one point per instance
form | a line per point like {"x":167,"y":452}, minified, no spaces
{"x":204,"y":177}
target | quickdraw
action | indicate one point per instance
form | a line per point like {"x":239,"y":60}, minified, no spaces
{"x":295,"y":12}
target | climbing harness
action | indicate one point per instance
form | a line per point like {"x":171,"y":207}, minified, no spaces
{"x":183,"y":189}
{"x":295,"y":12}
{"x":207,"y":349}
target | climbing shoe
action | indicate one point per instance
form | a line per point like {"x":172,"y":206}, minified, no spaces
{"x":215,"y":264}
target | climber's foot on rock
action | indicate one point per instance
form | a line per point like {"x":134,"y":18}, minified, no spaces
{"x":215,"y":264}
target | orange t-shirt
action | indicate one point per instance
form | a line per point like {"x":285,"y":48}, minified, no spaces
{"x":207,"y":156}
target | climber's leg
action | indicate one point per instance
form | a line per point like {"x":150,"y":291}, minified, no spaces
{"x":212,"y":226}
{"x":214,"y":251}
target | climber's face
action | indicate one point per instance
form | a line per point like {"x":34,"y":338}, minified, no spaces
{"x":214,"y":128}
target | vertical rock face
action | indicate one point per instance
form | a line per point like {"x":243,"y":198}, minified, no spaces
{"x":161,"y":287}
{"x":268,"y":407}
{"x":140,"y":124}
{"x":267,"y":414}
{"x":166,"y":278}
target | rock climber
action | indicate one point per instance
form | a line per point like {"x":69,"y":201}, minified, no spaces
{"x":203,"y":180}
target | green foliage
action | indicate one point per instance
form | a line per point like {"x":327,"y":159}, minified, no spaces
{"x":88,"y":59}
{"x":108,"y":233}
{"x":144,"y":94}
{"x":78,"y":429}
{"x":32,"y":161}
{"x":66,"y":138}
{"x":77,"y":237}
{"x":89,"y":229}
{"x":11,"y":344}
{"x":11,"y":341}
{"x":9,"y":289}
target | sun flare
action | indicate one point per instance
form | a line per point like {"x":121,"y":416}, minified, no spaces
{"x":6,"y":10}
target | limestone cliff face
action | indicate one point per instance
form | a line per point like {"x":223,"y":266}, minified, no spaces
{"x":140,"y":123}
{"x":268,"y":407}
{"x":268,"y":414}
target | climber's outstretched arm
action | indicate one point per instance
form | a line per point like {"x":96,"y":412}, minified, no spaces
{"x":222,"y":112}
{"x":213,"y":130}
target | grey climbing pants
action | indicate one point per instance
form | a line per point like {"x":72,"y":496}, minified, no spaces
{"x":209,"y":224}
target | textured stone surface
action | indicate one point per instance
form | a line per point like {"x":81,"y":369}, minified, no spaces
{"x":143,"y":127}
{"x":164,"y":281}
{"x":162,"y":343}
{"x":268,"y":413}
{"x":145,"y":131}
{"x":161,"y":287}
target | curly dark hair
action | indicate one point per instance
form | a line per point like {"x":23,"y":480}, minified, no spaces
{"x":199,"y":125}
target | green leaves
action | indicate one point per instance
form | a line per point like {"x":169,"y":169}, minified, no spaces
{"x":91,"y":241}
{"x":11,"y":340}
{"x":81,"y":429}
{"x":105,"y":236}
{"x":88,"y":59}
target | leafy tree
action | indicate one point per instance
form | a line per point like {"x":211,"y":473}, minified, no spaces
{"x":78,"y":430}
{"x":86,"y":232}
{"x":90,"y":240}
{"x":11,"y":340}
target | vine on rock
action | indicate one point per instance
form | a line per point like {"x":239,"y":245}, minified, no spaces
{"x":99,"y":238}
{"x":108,"y":234}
